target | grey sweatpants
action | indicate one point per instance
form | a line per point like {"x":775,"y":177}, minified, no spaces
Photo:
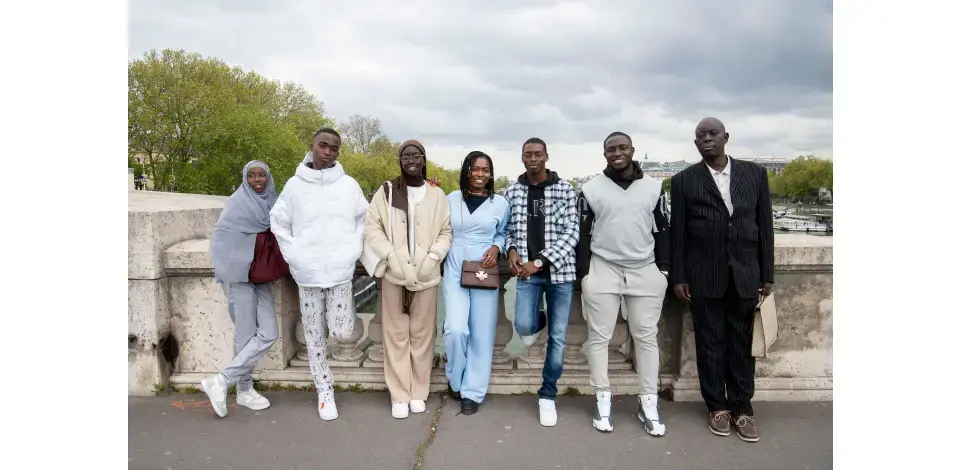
{"x":254,"y":329}
{"x":643,"y":290}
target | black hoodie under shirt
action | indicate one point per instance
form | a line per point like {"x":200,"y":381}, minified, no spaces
{"x":536,"y":219}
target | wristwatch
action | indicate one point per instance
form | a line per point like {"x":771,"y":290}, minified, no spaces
{"x":538,"y":263}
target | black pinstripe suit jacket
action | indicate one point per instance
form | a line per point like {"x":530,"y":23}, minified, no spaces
{"x":707,"y":240}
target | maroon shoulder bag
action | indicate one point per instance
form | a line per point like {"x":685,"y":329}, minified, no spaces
{"x":268,"y":264}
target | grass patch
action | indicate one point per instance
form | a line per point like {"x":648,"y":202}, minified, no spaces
{"x":422,"y":449}
{"x":281,"y":387}
{"x":572,"y":392}
{"x":159,"y":389}
{"x":356,"y":388}
{"x":269,"y":387}
{"x":186,"y":390}
{"x":525,"y":393}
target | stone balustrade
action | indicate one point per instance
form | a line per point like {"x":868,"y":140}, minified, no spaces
{"x":180,"y":331}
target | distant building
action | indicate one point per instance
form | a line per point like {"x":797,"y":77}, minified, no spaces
{"x":662,"y":170}
{"x":775,"y":164}
{"x":659,"y":171}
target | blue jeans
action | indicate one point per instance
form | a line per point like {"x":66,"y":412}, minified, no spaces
{"x":528,"y":321}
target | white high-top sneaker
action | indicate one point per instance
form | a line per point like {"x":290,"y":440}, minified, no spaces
{"x":601,"y":414}
{"x":650,"y":416}
{"x":215,"y":387}
{"x":327,"y":409}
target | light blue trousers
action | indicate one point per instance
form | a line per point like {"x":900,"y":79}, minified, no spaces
{"x":468,"y":330}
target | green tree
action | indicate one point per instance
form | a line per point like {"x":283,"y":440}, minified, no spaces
{"x":198,"y":121}
{"x":666,"y":185}
{"x":802,"y":178}
{"x":502,"y":182}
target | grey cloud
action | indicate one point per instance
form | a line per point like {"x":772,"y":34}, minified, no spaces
{"x":458,"y":74}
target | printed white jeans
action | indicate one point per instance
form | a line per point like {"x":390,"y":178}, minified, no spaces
{"x":323,"y":309}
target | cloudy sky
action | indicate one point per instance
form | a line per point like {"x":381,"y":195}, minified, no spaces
{"x":461,"y":75}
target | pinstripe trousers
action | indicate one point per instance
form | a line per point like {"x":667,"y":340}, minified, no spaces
{"x":723,"y":330}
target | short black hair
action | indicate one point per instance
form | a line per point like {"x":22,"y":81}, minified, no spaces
{"x":327,"y":130}
{"x":534,"y":140}
{"x":614,"y":134}
{"x":468,"y":162}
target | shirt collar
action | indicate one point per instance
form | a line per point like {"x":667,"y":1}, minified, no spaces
{"x":725,"y":171}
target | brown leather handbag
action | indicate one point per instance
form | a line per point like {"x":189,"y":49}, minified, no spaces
{"x":473,"y":275}
{"x":268,"y":264}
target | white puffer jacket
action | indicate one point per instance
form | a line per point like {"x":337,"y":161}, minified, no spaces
{"x":318,"y":221}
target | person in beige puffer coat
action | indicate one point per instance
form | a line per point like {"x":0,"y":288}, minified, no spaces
{"x":408,"y":231}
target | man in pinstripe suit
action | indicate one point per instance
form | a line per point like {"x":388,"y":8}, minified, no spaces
{"x":722,"y":244}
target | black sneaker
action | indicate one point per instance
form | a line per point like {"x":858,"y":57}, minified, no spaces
{"x":454,"y":395}
{"x":468,"y":406}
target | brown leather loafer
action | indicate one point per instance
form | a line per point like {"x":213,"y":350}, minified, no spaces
{"x":747,"y":428}
{"x":719,"y":423}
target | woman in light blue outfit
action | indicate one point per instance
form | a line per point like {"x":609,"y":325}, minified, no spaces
{"x":479,"y":218}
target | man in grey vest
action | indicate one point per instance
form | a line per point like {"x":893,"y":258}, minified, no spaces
{"x":623,"y":253}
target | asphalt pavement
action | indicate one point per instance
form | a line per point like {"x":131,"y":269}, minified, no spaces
{"x":182,"y":432}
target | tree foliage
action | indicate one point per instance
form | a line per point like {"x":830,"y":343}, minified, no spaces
{"x":802,"y":178}
{"x":362,"y":134}
{"x":502,"y":183}
{"x":197,"y":121}
{"x":382,"y":163}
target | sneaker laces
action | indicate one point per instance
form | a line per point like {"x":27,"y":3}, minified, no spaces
{"x":744,"y":419}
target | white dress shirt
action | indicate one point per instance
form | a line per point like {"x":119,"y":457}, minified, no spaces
{"x":722,"y":178}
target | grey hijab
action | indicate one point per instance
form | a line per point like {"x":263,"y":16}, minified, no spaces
{"x":245,"y":214}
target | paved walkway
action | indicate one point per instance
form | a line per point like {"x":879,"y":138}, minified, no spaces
{"x":181,"y":432}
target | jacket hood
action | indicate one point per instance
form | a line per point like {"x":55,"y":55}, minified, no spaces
{"x":552,"y":178}
{"x":617,"y":176}
{"x":326,"y":176}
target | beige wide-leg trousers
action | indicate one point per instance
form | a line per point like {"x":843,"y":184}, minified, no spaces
{"x":408,"y":340}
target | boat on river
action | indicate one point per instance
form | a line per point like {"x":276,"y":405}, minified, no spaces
{"x":790,"y":222}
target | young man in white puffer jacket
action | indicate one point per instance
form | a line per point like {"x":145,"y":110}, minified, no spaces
{"x":318,"y":221}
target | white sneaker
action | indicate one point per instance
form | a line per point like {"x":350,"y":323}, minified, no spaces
{"x":400,"y":410}
{"x":253,"y":400}
{"x":418,"y":406}
{"x":548,"y":412}
{"x":215,"y":387}
{"x":650,"y":416}
{"x":529,"y":340}
{"x":328,"y":410}
{"x":601,"y":414}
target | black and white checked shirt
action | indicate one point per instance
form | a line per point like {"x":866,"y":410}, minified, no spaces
{"x":561,"y":227}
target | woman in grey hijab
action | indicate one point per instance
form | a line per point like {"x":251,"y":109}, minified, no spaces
{"x":245,"y":214}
